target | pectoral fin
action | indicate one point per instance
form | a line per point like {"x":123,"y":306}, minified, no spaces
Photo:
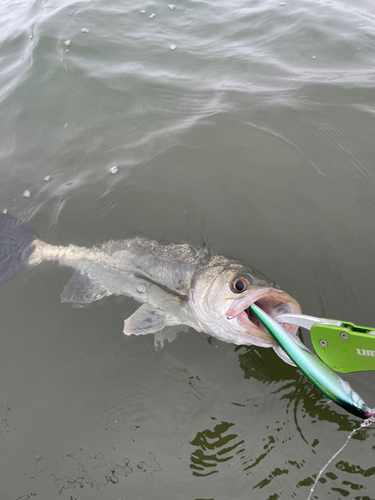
{"x":82,"y":289}
{"x":146,"y":319}
{"x":283,"y":355}
{"x":168,"y":333}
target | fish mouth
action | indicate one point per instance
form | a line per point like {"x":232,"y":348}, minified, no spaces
{"x":272,"y":301}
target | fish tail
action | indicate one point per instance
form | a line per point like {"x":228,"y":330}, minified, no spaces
{"x":16,"y":247}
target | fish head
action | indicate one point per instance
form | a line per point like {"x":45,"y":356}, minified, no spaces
{"x":221,"y":295}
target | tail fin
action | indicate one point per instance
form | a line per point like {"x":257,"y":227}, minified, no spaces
{"x":15,"y":247}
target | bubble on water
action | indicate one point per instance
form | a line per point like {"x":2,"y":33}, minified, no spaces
{"x":141,"y":288}
{"x":282,"y":4}
{"x":27,"y":194}
{"x":114,"y":169}
{"x":171,"y":6}
{"x":143,"y":12}
{"x":314,"y":57}
{"x":47,"y":178}
{"x":66,"y":124}
{"x":84,"y":30}
{"x":67,"y":42}
{"x":172,"y":47}
{"x":5,"y":211}
{"x":152,"y":15}
{"x":67,"y":50}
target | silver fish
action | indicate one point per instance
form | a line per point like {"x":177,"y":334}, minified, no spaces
{"x":178,"y":284}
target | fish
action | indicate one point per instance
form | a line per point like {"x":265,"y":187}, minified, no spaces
{"x":176,"y":283}
{"x":325,"y":379}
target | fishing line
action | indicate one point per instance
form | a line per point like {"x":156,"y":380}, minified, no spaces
{"x":365,"y":423}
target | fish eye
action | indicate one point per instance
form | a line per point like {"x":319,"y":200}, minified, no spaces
{"x":240,"y":283}
{"x":364,"y":407}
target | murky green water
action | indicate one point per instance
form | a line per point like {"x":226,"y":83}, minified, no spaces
{"x":247,"y":127}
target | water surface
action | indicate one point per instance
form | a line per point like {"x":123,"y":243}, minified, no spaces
{"x":246,"y":127}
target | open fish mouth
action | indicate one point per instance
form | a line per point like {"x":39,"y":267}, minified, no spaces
{"x":271,"y":300}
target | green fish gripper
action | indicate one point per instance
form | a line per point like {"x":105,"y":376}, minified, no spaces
{"x":345,"y":349}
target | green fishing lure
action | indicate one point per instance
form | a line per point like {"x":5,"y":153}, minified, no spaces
{"x":326,"y":380}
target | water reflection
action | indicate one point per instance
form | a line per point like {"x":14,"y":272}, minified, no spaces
{"x":292,"y":386}
{"x":97,"y":472}
{"x":346,"y":488}
{"x":214,"y":447}
{"x":304,"y":400}
{"x":94,"y":476}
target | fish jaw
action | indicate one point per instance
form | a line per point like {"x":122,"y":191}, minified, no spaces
{"x":271,"y":300}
